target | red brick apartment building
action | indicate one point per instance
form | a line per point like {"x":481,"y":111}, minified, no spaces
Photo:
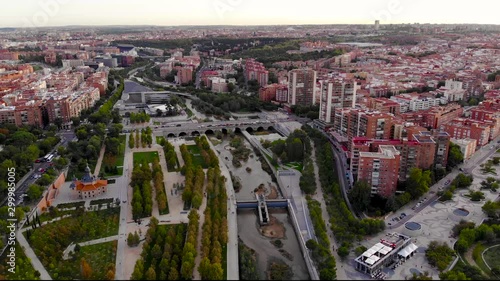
{"x":380,"y":170}
{"x":255,"y":70}
{"x":269,"y":92}
{"x":185,"y":75}
{"x":461,"y":128}
{"x":434,"y":117}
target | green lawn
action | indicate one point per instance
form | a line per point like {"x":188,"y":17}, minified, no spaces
{"x":115,"y":161}
{"x":492,"y":257}
{"x":476,"y":254}
{"x":24,"y":270}
{"x":49,"y":242}
{"x":98,"y":256}
{"x":270,"y":160}
{"x":295,"y":165}
{"x":196,"y":154}
{"x":149,"y":157}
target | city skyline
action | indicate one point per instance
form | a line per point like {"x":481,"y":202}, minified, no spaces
{"x":40,"y":13}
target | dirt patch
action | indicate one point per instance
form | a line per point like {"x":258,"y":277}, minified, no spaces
{"x":270,"y":192}
{"x":274,"y":192}
{"x":275,"y":229}
{"x":261,"y":189}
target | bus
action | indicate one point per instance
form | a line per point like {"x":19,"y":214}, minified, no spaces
{"x":48,"y":158}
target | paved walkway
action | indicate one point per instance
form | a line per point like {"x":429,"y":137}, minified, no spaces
{"x":71,"y":247}
{"x":318,"y":196}
{"x":99,"y":161}
{"x":123,"y":182}
{"x":37,"y":264}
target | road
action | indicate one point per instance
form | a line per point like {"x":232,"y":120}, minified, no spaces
{"x":198,"y":74}
{"x":28,"y":179}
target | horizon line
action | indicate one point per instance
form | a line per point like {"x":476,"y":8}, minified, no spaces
{"x":235,"y":25}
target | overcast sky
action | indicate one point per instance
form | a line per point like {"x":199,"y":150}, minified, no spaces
{"x":25,"y":13}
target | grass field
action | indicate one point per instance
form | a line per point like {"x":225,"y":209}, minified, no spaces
{"x":115,"y":161}
{"x":196,"y":154}
{"x":98,"y":256}
{"x":149,"y":157}
{"x":295,"y":165}
{"x":492,"y":257}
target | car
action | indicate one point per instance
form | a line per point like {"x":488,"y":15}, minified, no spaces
{"x":38,"y":161}
{"x":178,"y":125}
{"x":41,"y":170}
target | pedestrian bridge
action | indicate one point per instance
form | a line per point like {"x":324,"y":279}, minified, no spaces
{"x":253,"y":204}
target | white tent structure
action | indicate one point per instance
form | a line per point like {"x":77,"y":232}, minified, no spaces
{"x":408,"y":250}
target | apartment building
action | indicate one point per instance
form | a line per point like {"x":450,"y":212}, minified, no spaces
{"x":384,"y":105}
{"x":255,"y":70}
{"x":302,"y":87}
{"x":434,"y":117}
{"x":461,"y":128}
{"x":336,"y":94}
{"x":269,"y":92}
{"x":467,"y":146}
{"x":184,"y":75}
{"x":380,"y":169}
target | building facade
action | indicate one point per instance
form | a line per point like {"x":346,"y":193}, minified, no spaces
{"x":336,"y":94}
{"x":302,"y":87}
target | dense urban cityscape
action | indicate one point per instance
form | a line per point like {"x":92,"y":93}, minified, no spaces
{"x":264,"y":152}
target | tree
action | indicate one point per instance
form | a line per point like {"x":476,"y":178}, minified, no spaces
{"x":418,"y":182}
{"x":34,"y":192}
{"x":85,"y":269}
{"x":75,"y":121}
{"x":343,"y":252}
{"x":110,"y":275}
{"x":439,"y":254}
{"x":453,"y":275}
{"x":360,"y":194}
{"x":150,"y":274}
{"x":131,"y":141}
{"x":424,"y":276}
{"x":58,"y":122}
{"x":455,"y":156}
{"x":311,"y":244}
